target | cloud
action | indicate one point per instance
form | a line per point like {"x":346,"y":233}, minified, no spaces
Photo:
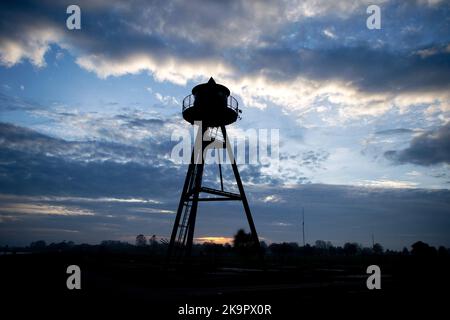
{"x":394,"y":131}
{"x":273,"y":198}
{"x":272,"y":55}
{"x":32,"y":162}
{"x":331,"y":212}
{"x":153,"y":210}
{"x":102,"y":171}
{"x":166,"y":100}
{"x":128,"y":138}
{"x":265,"y":50}
{"x":386,"y":183}
{"x":32,"y":143}
{"x":32,"y":47}
{"x":368,"y":69}
{"x":429,"y":148}
{"x":430,"y":2}
{"x":281,"y":224}
{"x":10,"y":103}
{"x":89,"y":219}
{"x":42,"y":209}
{"x":126,"y":126}
{"x":6,"y":197}
{"x":329,"y":33}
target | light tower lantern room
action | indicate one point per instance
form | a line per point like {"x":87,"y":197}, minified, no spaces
{"x":212,"y":104}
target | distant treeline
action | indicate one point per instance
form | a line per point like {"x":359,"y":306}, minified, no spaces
{"x":241,"y":245}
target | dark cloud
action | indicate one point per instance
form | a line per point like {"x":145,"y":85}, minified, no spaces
{"x":249,"y":39}
{"x":34,"y":163}
{"x":429,"y":148}
{"x":335,"y":213}
{"x":42,"y":179}
{"x":30,"y":142}
{"x":246,"y":36}
{"x":369,"y":69}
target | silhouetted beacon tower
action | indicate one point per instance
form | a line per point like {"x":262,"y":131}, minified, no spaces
{"x":212,"y":108}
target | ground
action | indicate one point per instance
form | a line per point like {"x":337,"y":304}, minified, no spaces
{"x":323,"y":285}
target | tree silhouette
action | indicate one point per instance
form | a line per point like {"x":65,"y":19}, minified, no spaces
{"x":422,"y":249}
{"x":320,"y":244}
{"x":141,"y":240}
{"x":378,"y":248}
{"x":38,"y":245}
{"x":351,"y":249}
{"x":242,"y":242}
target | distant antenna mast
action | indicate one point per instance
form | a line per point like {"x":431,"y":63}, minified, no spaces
{"x":303,"y":225}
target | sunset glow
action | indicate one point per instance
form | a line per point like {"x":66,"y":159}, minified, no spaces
{"x":217,"y":240}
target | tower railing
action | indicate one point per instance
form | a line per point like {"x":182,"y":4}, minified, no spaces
{"x":232,"y":103}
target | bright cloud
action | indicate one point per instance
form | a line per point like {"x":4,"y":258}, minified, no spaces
{"x":43,"y":209}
